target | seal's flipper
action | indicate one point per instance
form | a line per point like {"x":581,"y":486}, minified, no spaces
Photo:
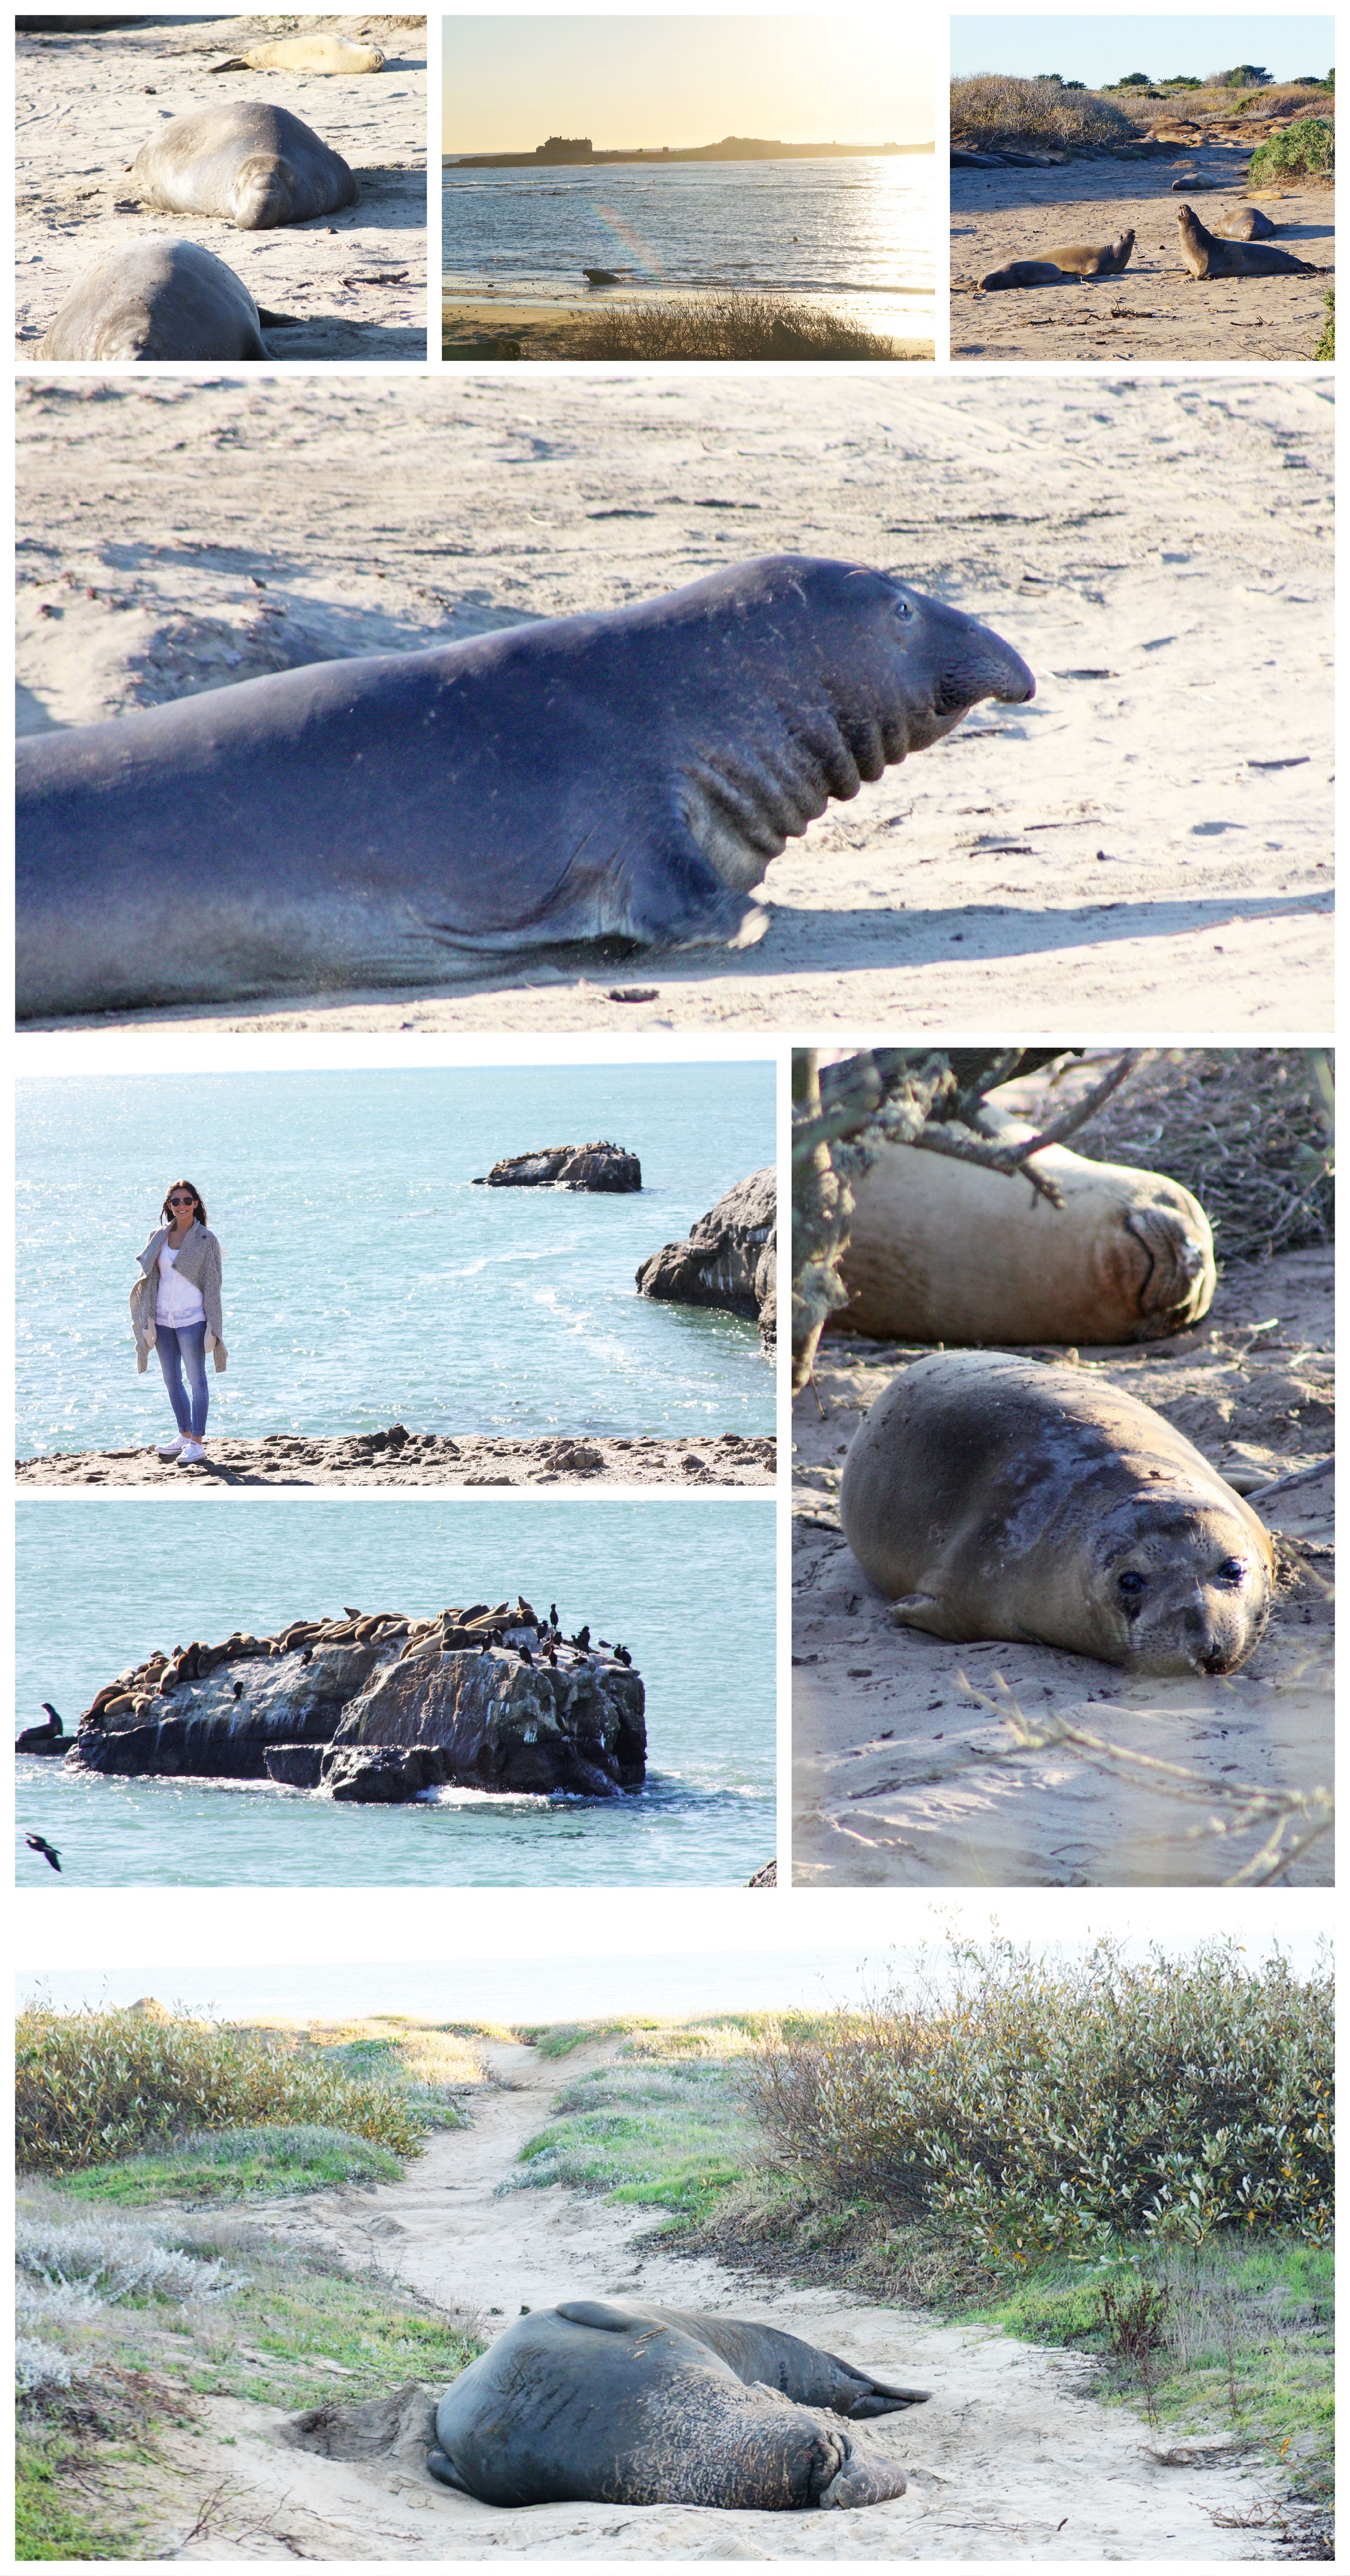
{"x":862,"y":2481}
{"x":881,"y":2399}
{"x":677,"y":900}
{"x":444,"y":2468}
{"x":279,"y":321}
{"x":598,"y":2312}
{"x":236,"y":63}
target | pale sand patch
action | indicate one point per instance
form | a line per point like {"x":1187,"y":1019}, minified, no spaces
{"x":1011,"y":2458}
{"x":286,"y":1459}
{"x":1152,"y":834}
{"x":903,"y":1779}
{"x":82,"y":114}
{"x":1155,"y":309}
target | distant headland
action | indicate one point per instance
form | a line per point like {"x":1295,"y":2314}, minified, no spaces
{"x":563,"y":150}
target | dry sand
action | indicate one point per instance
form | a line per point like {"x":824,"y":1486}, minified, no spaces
{"x":1012,"y":2457}
{"x":426,"y":1459}
{"x":355,"y":281}
{"x":1156,"y":309}
{"x":1151,"y":836}
{"x":903,"y":1779}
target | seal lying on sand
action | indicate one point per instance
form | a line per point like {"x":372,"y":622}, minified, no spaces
{"x":1249,"y":224}
{"x":257,"y":166}
{"x":158,"y":298}
{"x":306,"y":54}
{"x":995,"y":1497}
{"x":624,"y":775}
{"x":1206,"y":256}
{"x":1071,"y":259}
{"x":596,"y":2403}
{"x":942,"y":1251}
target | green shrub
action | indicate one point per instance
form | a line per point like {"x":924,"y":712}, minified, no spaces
{"x":670,"y":2134}
{"x":1037,"y":2109}
{"x":1326,"y":346}
{"x":93,"y":2086}
{"x":994,"y":107}
{"x":232,"y":2164}
{"x":1305,"y":150}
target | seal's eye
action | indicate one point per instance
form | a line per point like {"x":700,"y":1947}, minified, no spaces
{"x":1130,"y":1583}
{"x":1232,"y":1570}
{"x":903,"y":609}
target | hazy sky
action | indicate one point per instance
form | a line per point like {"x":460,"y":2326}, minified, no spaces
{"x":511,"y":82}
{"x":1095,"y":50}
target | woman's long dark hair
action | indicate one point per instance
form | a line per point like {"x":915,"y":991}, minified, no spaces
{"x":198,"y":1208}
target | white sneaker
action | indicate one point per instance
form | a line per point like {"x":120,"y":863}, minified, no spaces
{"x":191,"y":1454}
{"x":169,"y":1448}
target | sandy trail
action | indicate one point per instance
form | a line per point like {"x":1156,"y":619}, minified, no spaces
{"x":1152,"y":834}
{"x":1156,"y":309}
{"x":426,"y":1459}
{"x":901,"y":1778}
{"x":354,"y":282}
{"x":1010,"y":2459}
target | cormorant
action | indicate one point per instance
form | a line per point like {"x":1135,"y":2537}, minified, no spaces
{"x":36,"y":1844}
{"x":239,"y":1690}
{"x":551,"y":1653}
{"x":525,"y":1656}
{"x":582,"y":1640}
{"x":307,"y":1656}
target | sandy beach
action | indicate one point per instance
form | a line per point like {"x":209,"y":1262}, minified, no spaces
{"x":354,"y":281}
{"x":1153,"y":834}
{"x":1155,"y":308}
{"x":906,"y":1774}
{"x":398,"y":1458}
{"x":1011,"y":2458}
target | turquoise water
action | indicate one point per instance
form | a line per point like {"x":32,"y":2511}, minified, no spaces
{"x":688,"y":1584}
{"x":366,"y":1280}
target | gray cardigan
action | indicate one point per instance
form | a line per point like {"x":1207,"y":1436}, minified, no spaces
{"x":198,"y":1261}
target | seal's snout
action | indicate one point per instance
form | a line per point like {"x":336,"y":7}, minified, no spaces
{"x":978,"y":664}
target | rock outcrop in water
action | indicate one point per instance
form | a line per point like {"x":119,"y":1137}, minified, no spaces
{"x":730,"y":1258}
{"x":375,"y":1710}
{"x":566,"y":1167}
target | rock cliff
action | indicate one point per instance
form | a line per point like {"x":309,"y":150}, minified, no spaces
{"x":566,"y":1167}
{"x":730,"y":1258}
{"x":378,"y":1709}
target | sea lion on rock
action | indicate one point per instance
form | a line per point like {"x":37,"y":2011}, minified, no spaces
{"x":1206,"y":256}
{"x":254,"y":165}
{"x":995,"y":1497}
{"x":306,"y":54}
{"x":158,"y":298}
{"x":944,"y":1251}
{"x":1248,"y":223}
{"x":622,"y":775}
{"x":592,"y":2402}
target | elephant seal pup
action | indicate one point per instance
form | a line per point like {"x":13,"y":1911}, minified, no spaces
{"x":157,"y":298}
{"x":1206,"y":256}
{"x":941,"y":1251}
{"x":306,"y":54}
{"x":256,"y":166}
{"x":596,"y":2403}
{"x":622,"y":775}
{"x":1249,"y":224}
{"x":995,"y":1497}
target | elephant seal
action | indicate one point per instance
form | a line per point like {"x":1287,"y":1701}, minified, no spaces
{"x":1248,"y":223}
{"x":306,"y":54}
{"x":622,"y":775}
{"x":595,"y":2403}
{"x":941,"y":1251}
{"x":256,"y":166}
{"x":1073,"y":259}
{"x":995,"y":1497}
{"x":1206,"y":256}
{"x":1022,"y":272}
{"x":158,"y":298}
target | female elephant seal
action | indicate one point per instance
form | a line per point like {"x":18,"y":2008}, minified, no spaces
{"x":590,"y":2402}
{"x":941,"y":1251}
{"x":306,"y":54}
{"x":995,"y":1497}
{"x":1206,"y":255}
{"x":256,"y":166}
{"x":624,"y":775}
{"x":1248,"y":223}
{"x":158,"y":298}
{"x":1071,"y":259}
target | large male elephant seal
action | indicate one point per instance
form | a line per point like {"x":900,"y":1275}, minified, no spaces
{"x":1206,"y":255}
{"x":996,"y":1497}
{"x":257,"y":166}
{"x":596,"y":2403}
{"x":1071,"y":259}
{"x":158,"y":298}
{"x":626,"y":775}
{"x":942,"y":1251}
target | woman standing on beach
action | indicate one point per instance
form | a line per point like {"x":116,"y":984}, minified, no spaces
{"x":175,"y":1309}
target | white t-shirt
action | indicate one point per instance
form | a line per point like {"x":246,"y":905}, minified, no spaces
{"x":177,"y":1301}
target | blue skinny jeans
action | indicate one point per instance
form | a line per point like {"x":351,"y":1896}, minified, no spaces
{"x":181,"y":1348}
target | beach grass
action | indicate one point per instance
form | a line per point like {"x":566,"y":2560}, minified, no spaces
{"x":997,"y":107}
{"x":667,"y":2131}
{"x":1326,"y":345}
{"x":735,"y":325}
{"x":263,"y":2163}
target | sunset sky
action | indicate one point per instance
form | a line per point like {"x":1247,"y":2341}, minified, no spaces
{"x":511,"y":82}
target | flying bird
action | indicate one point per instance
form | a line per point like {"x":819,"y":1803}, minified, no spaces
{"x":36,"y":1844}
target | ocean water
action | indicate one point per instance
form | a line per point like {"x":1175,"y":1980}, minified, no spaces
{"x":687,"y":1584}
{"x":366,"y":1281}
{"x":854,"y":229}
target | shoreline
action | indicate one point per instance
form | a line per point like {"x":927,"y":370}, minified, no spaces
{"x":731,"y":1459}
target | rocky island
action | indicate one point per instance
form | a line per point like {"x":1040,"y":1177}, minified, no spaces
{"x":378,"y":1709}
{"x":729,"y":1258}
{"x":599,"y":1166}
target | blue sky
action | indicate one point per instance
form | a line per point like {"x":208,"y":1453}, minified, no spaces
{"x":1099,"y":49}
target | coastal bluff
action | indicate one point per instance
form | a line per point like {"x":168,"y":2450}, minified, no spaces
{"x":375,"y":1710}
